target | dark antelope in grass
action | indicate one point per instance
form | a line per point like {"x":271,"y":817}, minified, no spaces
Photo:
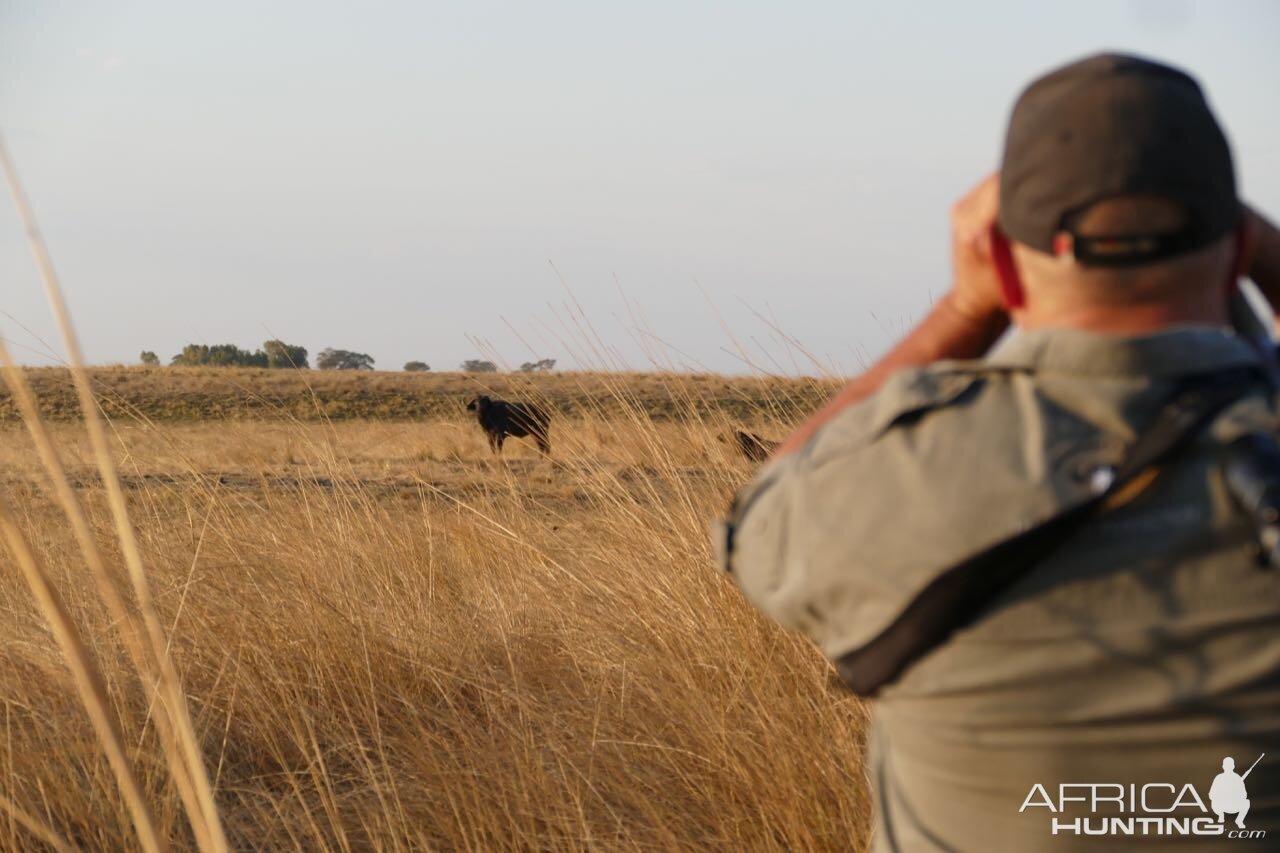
{"x":499,"y":419}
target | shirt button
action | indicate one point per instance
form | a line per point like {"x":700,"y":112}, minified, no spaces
{"x":1101,"y":478}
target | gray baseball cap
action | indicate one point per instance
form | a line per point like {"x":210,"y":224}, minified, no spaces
{"x":1115,"y":125}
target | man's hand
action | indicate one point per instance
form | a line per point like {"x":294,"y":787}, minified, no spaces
{"x":964,"y":324}
{"x":976,"y":291}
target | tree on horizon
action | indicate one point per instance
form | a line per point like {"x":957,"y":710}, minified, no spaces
{"x":280,"y":354}
{"x":341,"y":359}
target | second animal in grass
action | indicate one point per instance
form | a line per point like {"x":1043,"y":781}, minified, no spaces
{"x":499,"y":419}
{"x":749,"y":444}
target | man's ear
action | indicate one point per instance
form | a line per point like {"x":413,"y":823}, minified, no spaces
{"x":1010,"y":284}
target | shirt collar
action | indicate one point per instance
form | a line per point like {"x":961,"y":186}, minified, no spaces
{"x":1176,"y":352}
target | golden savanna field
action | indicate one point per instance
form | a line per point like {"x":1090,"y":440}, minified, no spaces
{"x":388,"y":639}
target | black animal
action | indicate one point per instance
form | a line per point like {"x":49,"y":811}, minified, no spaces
{"x":750,"y":445}
{"x":499,"y":419}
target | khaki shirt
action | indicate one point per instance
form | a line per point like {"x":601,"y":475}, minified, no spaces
{"x":1142,"y":652}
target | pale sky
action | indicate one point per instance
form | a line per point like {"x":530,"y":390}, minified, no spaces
{"x":408,"y":178}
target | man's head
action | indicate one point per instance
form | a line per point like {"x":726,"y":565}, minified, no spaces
{"x":1228,"y":764}
{"x":1118,"y":193}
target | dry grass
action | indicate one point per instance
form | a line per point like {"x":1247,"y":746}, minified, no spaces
{"x":390,"y":640}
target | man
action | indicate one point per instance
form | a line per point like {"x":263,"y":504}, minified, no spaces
{"x":1228,"y":794}
{"x":1122,"y":663}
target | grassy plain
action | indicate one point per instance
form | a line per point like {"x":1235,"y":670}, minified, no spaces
{"x":391,"y":640}
{"x":195,"y":393}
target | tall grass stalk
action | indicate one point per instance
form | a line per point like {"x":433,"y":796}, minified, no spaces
{"x":180,"y":740}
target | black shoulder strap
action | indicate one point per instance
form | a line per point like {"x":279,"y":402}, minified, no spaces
{"x":959,"y":595}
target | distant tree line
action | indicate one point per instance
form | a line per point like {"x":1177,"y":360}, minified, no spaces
{"x":275,"y":354}
{"x":278,"y":354}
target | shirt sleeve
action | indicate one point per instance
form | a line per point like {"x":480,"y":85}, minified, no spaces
{"x":759,"y":548}
{"x":756,"y":520}
{"x":819,"y":539}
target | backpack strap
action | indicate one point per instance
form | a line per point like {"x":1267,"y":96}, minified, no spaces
{"x":959,"y":595}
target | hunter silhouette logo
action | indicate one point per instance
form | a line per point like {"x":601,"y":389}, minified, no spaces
{"x":1228,"y":795}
